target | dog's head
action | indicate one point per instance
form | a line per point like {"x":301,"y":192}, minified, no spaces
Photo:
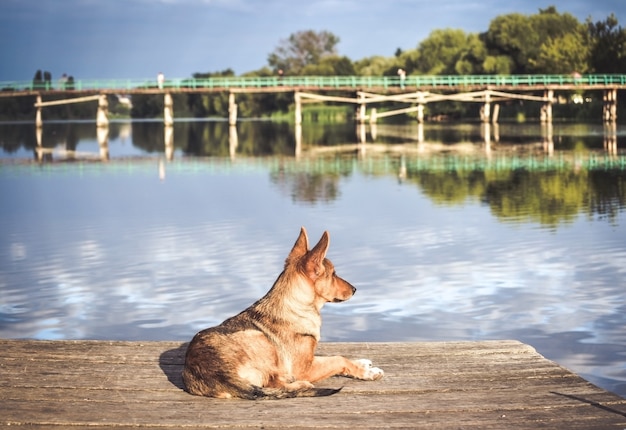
{"x":318,"y":269}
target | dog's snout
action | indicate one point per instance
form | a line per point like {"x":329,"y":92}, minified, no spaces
{"x":353,"y":289}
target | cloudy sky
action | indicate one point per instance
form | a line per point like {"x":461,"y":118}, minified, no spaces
{"x":139,"y":38}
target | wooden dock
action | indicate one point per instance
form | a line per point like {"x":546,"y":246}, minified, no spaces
{"x":450,"y":385}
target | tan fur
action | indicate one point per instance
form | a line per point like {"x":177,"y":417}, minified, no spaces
{"x":268,"y":350}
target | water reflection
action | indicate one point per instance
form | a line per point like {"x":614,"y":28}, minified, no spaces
{"x":445,"y":237}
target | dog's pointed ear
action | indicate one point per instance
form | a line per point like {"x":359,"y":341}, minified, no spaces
{"x":315,"y":259}
{"x":300,"y":248}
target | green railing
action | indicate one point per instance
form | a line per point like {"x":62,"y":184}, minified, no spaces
{"x":321,"y":82}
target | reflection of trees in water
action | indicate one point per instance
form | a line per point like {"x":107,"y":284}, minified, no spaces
{"x":254,"y":138}
{"x":307,"y":187}
{"x":548,"y":197}
{"x":16,"y":136}
{"x":609,"y":196}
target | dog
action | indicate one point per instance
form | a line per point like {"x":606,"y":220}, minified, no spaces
{"x":268,"y":350}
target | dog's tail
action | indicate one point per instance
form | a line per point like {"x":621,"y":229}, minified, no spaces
{"x":262,"y":393}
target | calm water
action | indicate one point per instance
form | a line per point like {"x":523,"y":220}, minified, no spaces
{"x":448,"y":234}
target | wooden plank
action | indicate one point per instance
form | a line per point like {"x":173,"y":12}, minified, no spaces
{"x":120,"y":385}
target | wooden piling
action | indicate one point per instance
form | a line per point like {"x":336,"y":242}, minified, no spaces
{"x":298,"y":136}
{"x":373,"y":117}
{"x":232,"y":109}
{"x":102,"y":134}
{"x":168,"y":109}
{"x":38,"y":119}
{"x":362,"y":112}
{"x":102,"y":118}
{"x":485,"y":112}
{"x":546,"y":110}
{"x":233,"y":141}
{"x":298,"y":108}
{"x":496,"y":113}
{"x":609,"y":110}
{"x":168,"y":137}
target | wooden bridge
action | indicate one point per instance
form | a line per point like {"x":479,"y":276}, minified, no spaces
{"x":322,"y":83}
{"x":415,"y":91}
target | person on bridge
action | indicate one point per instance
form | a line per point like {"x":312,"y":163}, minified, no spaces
{"x":160,"y":80}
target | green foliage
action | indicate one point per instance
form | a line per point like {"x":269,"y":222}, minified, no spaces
{"x":440,"y":51}
{"x":547,"y":42}
{"x":377,"y":66}
{"x":607,"y":45}
{"x":302,"y":49}
{"x":562,"y":55}
{"x":330,"y":66}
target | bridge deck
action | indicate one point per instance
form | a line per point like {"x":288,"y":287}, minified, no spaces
{"x":498,"y":384}
{"x":382,"y":84}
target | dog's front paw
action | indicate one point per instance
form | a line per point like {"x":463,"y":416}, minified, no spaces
{"x":370,"y":373}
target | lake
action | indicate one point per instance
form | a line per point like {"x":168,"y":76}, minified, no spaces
{"x":448,"y":231}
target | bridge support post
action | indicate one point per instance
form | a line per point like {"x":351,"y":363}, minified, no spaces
{"x":298,"y":109}
{"x":102,"y":119}
{"x":232,"y":109}
{"x":610,"y":138}
{"x":547,"y":138}
{"x":168,"y":138}
{"x":233,"y":141}
{"x":38,"y":120}
{"x":485,"y":112}
{"x":420,"y":107}
{"x":168,"y":109}
{"x":373,"y":117}
{"x":361,"y":113}
{"x":546,"y":109}
{"x":609,"y":110}
{"x":298,"y":132}
{"x":102,"y":134}
{"x":496,"y":113}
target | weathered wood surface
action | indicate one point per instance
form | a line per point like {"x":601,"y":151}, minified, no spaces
{"x":498,"y":384}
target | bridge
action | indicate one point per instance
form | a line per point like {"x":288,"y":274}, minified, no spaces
{"x":323,"y":83}
{"x":362,"y":91}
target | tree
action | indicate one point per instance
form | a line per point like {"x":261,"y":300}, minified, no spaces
{"x":562,"y":55}
{"x":377,"y":65}
{"x":302,"y":49}
{"x":530,"y":40}
{"x":440,"y":51}
{"x":511,"y":35}
{"x":498,"y":65}
{"x":331,"y":65}
{"x":471,"y":56}
{"x":607,"y":42}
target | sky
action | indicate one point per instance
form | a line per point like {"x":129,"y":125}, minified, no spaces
{"x":136,"y":39}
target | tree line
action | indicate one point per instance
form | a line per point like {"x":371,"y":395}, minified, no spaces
{"x":547,"y":42}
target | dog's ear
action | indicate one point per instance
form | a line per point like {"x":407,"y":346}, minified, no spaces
{"x":314,"y":265}
{"x":300,"y":248}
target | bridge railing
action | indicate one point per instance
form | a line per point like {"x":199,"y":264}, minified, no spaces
{"x":322,"y":82}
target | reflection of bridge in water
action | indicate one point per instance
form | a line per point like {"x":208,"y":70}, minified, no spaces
{"x":374,"y":158}
{"x":489,"y":136}
{"x":361,"y":91}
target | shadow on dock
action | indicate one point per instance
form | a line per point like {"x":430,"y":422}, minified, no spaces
{"x":591,"y":402}
{"x":171,"y":363}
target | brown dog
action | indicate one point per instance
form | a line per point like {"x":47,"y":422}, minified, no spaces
{"x":268,"y":350}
